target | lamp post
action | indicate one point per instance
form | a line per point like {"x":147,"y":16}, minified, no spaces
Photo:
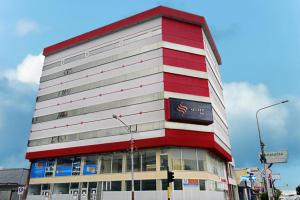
{"x":262,"y":145}
{"x":131,"y":154}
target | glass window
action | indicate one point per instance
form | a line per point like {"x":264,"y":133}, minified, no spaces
{"x":45,"y":186}
{"x":201,"y":160}
{"x":148,"y":185}
{"x":105,"y":164}
{"x":90,"y":165}
{"x":63,"y":167}
{"x":76,"y":162}
{"x":178,"y":184}
{"x":49,"y":171}
{"x":106,"y":186}
{"x":176,"y":159}
{"x":163,"y":160}
{"x":117,"y":163}
{"x":34,"y":190}
{"x":116,"y":186}
{"x":61,"y":188}
{"x":149,"y":161}
{"x":136,"y":162}
{"x":74,"y":186}
{"x":137,"y":185}
{"x":202,"y":184}
{"x":189,"y":159}
{"x":164,"y":184}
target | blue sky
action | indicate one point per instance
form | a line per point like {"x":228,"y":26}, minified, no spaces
{"x":258,"y":40}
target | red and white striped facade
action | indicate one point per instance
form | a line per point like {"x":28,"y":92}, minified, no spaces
{"x":129,"y":68}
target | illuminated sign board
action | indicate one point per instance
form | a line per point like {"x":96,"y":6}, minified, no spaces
{"x":193,"y":112}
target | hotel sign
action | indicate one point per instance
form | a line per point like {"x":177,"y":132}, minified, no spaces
{"x":276,"y":157}
{"x":193,"y":112}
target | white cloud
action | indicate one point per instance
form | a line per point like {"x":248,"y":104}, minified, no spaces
{"x":24,"y":27}
{"x":28,"y":71}
{"x":243,"y":100}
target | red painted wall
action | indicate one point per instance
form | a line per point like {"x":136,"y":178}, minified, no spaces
{"x":182,"y":33}
{"x":180,"y":138}
{"x":186,"y":84}
{"x":183,"y":59}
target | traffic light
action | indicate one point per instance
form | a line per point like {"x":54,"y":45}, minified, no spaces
{"x":170,"y":176}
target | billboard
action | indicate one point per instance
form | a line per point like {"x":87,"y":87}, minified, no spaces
{"x":193,"y":112}
{"x":276,"y":157}
{"x":38,"y":169}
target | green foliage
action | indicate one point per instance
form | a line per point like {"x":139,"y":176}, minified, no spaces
{"x":264,"y":196}
{"x":298,"y":190}
{"x":277,"y":194}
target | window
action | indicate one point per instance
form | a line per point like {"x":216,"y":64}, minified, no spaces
{"x":137,"y":185}
{"x":164,"y":184}
{"x":106,"y":186}
{"x":149,"y":161}
{"x":49,"y":171}
{"x":90,"y":165}
{"x":136,"y":162}
{"x":74,"y":186}
{"x":106,"y":164}
{"x":201,"y":160}
{"x":116,"y":186}
{"x":148,"y":185}
{"x":178,"y":184}
{"x":117,"y":163}
{"x":176,"y":159}
{"x":34,"y":190}
{"x":202,"y":184}
{"x":61,"y":188}
{"x":163,"y":160}
{"x":189,"y":159}
{"x":76,"y":162}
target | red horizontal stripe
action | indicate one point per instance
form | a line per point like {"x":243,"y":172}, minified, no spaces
{"x":182,"y":33}
{"x":184,"y":60}
{"x":186,"y":85}
{"x":180,"y":138}
{"x":138,"y":18}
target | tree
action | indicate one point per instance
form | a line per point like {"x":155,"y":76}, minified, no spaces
{"x":298,"y":190}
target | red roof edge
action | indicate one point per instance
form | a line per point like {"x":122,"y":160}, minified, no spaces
{"x":143,"y":16}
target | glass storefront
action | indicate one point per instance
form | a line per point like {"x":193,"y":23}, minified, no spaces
{"x":187,"y":159}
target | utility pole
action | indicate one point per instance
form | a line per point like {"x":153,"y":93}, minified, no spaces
{"x":262,"y":151}
{"x":131,"y":154}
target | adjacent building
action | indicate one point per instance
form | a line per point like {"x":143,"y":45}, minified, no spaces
{"x":159,"y":72}
{"x":10,"y":181}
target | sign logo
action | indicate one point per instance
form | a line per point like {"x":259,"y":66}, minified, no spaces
{"x":181,"y":108}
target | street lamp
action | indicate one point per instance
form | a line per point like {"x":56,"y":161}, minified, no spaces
{"x":262,"y":145}
{"x":131,"y":153}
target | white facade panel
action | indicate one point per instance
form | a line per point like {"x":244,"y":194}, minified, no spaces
{"x":131,"y":64}
{"x":128,"y":32}
{"x":151,"y":111}
{"x":127,"y":89}
{"x":103,"y":140}
{"x":122,"y":49}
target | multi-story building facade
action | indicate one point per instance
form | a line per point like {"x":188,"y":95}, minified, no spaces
{"x":158,"y":71}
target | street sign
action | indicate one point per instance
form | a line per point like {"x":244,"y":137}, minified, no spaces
{"x":276,"y":176}
{"x":248,"y":178}
{"x":21,"y":190}
{"x":276,"y":157}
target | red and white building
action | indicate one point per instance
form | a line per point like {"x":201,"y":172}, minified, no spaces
{"x":159,"y":72}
